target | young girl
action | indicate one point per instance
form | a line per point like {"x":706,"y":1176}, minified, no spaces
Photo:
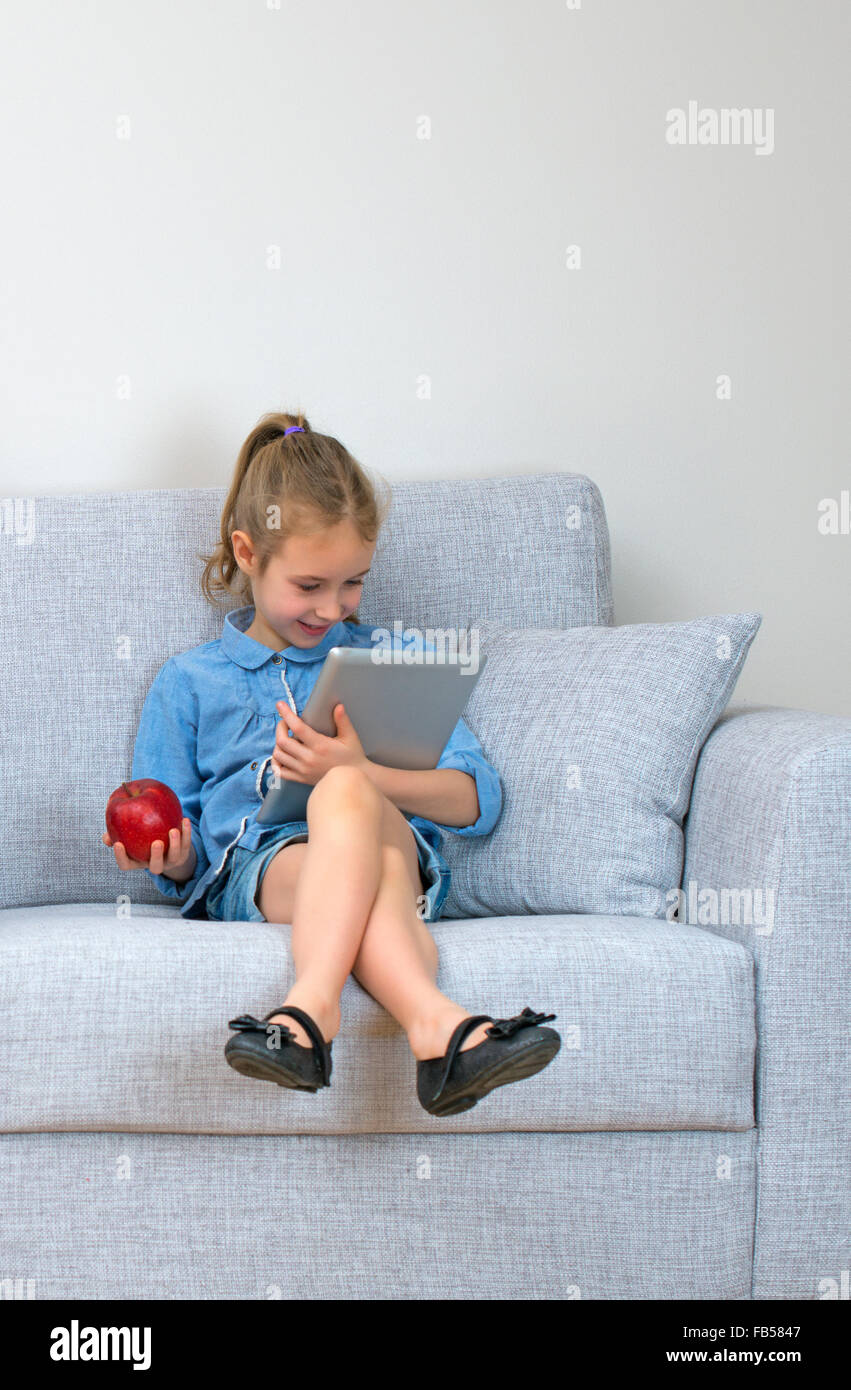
{"x":361,"y":876}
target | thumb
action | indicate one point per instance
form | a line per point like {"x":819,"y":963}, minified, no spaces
{"x":341,"y":718}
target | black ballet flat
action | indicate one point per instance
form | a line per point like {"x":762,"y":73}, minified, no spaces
{"x":269,"y":1051}
{"x":514,"y":1048}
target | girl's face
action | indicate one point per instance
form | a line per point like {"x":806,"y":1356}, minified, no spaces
{"x":310,"y":583}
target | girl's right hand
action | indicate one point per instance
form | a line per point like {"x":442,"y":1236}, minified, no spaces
{"x":179,"y":853}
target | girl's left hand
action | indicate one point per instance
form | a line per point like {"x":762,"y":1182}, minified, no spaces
{"x":307,"y":756}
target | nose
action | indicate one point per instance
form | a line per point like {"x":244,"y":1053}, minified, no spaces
{"x":329,"y":616}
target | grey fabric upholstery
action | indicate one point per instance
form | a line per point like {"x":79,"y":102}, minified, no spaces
{"x":771,"y":812}
{"x":656,"y":1020}
{"x":595,"y":732}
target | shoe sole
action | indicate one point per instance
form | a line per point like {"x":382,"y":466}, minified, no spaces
{"x":249,"y":1064}
{"x":517,"y":1068}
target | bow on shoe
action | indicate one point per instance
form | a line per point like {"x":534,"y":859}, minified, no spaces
{"x":247,"y":1023}
{"x":500,"y":1028}
{"x":507,"y":1027}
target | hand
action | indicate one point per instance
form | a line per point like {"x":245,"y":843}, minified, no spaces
{"x":180,"y":851}
{"x":307,"y":756}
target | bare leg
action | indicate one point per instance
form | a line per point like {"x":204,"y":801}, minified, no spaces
{"x":351,"y":894}
{"x":337,"y":882}
{"x":398,"y":959}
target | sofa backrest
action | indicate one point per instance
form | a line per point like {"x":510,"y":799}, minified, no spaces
{"x":98,"y":590}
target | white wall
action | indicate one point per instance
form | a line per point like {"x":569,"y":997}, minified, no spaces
{"x":144,"y":260}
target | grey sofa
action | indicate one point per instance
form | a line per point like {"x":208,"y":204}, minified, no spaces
{"x":695,"y":1147}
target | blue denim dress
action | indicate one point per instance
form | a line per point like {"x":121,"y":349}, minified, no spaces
{"x":233,"y":896}
{"x":207,"y":729}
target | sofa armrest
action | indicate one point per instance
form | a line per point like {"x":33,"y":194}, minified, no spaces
{"x":769,"y":827}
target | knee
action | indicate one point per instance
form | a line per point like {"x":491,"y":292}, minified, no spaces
{"x":343,"y":787}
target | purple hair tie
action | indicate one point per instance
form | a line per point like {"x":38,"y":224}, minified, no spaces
{"x":292,"y":428}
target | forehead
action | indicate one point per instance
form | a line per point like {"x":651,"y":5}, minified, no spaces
{"x":334,"y":548}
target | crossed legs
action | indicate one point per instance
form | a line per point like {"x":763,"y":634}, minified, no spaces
{"x":351,"y":895}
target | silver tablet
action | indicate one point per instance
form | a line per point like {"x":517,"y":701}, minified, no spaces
{"x":404,"y":711}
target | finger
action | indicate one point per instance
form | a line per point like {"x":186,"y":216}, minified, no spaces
{"x":123,"y":858}
{"x":155,"y":864}
{"x":177,"y":850}
{"x":288,"y":757}
{"x":172,"y":849}
{"x":342,"y":720}
{"x":302,"y":731}
{"x":284,"y":722}
{"x":106,"y":839}
{"x":291,"y":770}
{"x":284,"y":779}
{"x":284,"y":739}
{"x":186,"y":837}
{"x":283,"y":736}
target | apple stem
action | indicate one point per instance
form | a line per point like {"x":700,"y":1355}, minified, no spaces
{"x":126,"y":788}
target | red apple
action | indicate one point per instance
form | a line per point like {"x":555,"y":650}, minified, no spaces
{"x":140,"y":812}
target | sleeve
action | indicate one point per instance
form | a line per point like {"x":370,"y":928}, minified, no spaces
{"x":165,"y":749}
{"x":465,"y":752}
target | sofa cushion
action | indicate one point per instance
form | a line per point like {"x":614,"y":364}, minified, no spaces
{"x":98,"y":590}
{"x":596,"y":733}
{"x":114,"y":1022}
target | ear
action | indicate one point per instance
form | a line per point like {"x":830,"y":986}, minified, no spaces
{"x":243,"y":551}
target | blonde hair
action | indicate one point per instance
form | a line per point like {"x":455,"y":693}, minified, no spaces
{"x":312,"y":481}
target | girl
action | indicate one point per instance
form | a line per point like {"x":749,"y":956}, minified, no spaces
{"x":361,"y":876}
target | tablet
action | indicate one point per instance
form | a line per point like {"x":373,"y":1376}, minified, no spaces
{"x":404,"y":711}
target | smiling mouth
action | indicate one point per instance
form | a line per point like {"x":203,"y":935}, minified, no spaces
{"x":308,"y":627}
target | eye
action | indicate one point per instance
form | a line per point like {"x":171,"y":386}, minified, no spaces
{"x":308,"y":588}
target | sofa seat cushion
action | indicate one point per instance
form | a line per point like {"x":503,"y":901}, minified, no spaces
{"x":112,"y":1022}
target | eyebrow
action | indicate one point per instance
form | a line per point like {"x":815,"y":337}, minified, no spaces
{"x":321,"y":578}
